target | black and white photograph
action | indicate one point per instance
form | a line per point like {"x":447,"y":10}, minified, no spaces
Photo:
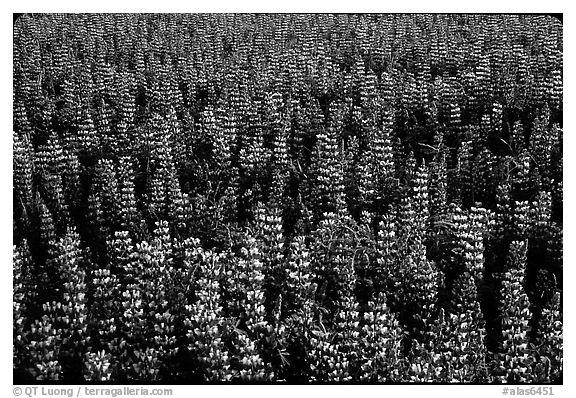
{"x":288,"y":198}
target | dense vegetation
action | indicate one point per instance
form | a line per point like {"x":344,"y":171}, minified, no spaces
{"x":366,"y":198}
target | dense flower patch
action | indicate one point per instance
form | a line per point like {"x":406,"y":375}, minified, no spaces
{"x":298,"y":198}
